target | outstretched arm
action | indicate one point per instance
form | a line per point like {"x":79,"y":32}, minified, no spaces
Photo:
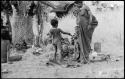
{"x":65,"y":32}
{"x":49,"y":34}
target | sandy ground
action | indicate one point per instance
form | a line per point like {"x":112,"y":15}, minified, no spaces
{"x":33,"y":66}
{"x":111,"y":24}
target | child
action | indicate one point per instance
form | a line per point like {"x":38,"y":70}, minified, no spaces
{"x":76,"y":44}
{"x":55,"y":34}
{"x":76,"y":35}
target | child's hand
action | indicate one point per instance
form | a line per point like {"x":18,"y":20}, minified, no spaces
{"x":47,"y":34}
{"x":70,"y":34}
{"x":89,"y":26}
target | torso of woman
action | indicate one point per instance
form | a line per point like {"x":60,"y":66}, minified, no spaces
{"x":83,"y":17}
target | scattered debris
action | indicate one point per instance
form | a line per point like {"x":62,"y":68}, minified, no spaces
{"x":113,"y":58}
{"x":5,"y":71}
{"x":94,"y":56}
{"x":36,"y":53}
{"x":3,"y":60}
{"x":52,"y":62}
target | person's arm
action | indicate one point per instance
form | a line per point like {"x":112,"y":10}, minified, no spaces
{"x":90,"y":13}
{"x":65,"y":32}
{"x":49,"y":34}
{"x":86,"y":9}
{"x":90,"y":19}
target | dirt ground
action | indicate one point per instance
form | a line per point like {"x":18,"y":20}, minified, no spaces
{"x":110,"y":32}
{"x":33,"y":66}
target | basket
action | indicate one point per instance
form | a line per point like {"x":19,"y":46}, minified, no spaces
{"x":97,"y":47}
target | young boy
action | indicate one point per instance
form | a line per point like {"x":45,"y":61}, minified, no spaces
{"x":55,"y":34}
{"x":76,"y":44}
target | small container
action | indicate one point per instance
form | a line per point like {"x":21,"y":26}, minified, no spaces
{"x":97,"y":47}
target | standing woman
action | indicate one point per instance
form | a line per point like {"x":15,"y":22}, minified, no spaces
{"x":84,"y":21}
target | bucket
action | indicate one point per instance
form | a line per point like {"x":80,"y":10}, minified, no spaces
{"x":97,"y":47}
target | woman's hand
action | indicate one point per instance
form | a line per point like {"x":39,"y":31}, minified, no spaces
{"x":89,"y":26}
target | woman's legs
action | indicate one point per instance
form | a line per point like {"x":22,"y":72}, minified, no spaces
{"x":84,"y":45}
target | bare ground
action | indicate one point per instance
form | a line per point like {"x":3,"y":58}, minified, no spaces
{"x":35,"y":67}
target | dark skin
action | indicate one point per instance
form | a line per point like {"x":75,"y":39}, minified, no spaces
{"x":55,"y":34}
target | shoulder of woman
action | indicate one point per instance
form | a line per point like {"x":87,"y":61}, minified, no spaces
{"x":85,"y":7}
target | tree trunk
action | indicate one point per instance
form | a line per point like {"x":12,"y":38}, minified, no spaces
{"x":35,"y":31}
{"x":21,"y":28}
{"x":38,"y":25}
{"x":26,"y":27}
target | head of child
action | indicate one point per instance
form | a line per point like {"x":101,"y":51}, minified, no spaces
{"x":54,"y":23}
